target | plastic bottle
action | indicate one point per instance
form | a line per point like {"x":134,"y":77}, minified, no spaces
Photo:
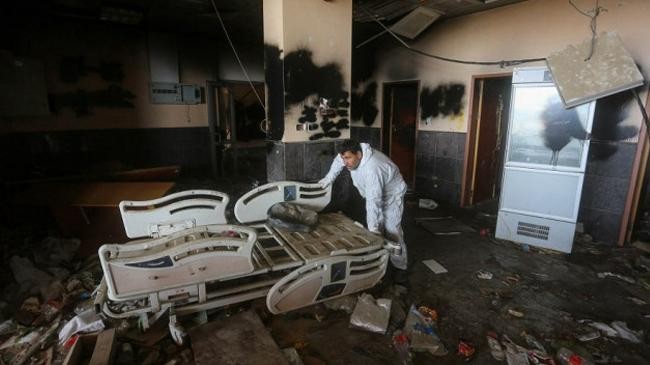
{"x":401,"y":344}
{"x":568,"y":357}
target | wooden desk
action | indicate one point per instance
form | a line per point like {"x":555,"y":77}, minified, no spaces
{"x":93,"y":194}
{"x":89,"y":211}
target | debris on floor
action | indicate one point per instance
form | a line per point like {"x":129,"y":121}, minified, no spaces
{"x":370,"y":314}
{"x":434,"y":266}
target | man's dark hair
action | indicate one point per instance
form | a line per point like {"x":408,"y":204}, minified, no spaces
{"x":349,"y":145}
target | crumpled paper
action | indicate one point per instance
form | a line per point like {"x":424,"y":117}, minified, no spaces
{"x":87,"y":321}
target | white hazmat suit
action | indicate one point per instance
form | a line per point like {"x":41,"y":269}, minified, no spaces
{"x":378,"y":180}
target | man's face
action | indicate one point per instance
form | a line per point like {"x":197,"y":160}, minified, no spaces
{"x":351,"y":159}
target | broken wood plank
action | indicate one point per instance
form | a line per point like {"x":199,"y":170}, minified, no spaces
{"x":239,"y":339}
{"x":103,"y":353}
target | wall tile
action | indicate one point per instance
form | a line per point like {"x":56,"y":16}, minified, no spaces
{"x":604,"y":193}
{"x":426,"y":143}
{"x":294,"y":154}
{"x":317,"y":159}
{"x":445,"y":145}
{"x":275,"y":162}
{"x":601,"y":225}
{"x":446,"y":169}
{"x":619,"y":164}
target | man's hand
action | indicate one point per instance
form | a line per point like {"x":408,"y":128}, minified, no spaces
{"x":324,"y":183}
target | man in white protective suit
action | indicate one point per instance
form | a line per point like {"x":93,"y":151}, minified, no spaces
{"x":378,"y":180}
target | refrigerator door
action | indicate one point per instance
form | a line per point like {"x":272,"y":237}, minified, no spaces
{"x":546,"y":156}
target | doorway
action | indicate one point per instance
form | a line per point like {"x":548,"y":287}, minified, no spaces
{"x":236,"y":134}
{"x":486,"y":139}
{"x":400,"y":110}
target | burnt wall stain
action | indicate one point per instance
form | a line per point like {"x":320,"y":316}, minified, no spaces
{"x":304,"y":78}
{"x":296,"y":79}
{"x":445,"y":100}
{"x":273,"y":73}
{"x":560,"y":126}
{"x":364,"y":105}
{"x":610,"y":112}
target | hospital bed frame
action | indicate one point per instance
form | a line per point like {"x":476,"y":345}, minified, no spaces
{"x":192,"y":260}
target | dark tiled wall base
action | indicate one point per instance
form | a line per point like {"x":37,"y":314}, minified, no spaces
{"x":605,"y":189}
{"x":42,"y":154}
{"x":372,"y":136}
{"x":439,"y":165}
{"x":300,"y":161}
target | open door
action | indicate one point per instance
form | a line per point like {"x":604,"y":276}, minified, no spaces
{"x":490,"y":111}
{"x":398,"y":126}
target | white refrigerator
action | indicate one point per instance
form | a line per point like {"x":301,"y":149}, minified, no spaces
{"x":546,"y":155}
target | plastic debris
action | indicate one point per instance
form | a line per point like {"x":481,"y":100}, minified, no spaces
{"x":515,"y":313}
{"x":515,"y":354}
{"x":370,"y":314}
{"x":637,"y":301}
{"x":401,"y":345}
{"x":427,"y":204}
{"x":589,"y":336}
{"x":484,"y":274}
{"x":87,"y":321}
{"x":434,"y":266}
{"x":54,"y":251}
{"x":465,"y":350}
{"x":627,"y":279}
{"x":568,"y":357}
{"x":30,"y":279}
{"x":292,"y":356}
{"x":495,"y":347}
{"x":421,"y":332}
{"x":7,"y":327}
{"x":624,"y":332}
{"x":428,"y":313}
{"x":346,"y":303}
{"x":602,"y":327}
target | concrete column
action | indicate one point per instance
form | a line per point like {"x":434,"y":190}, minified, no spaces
{"x":307,"y":60}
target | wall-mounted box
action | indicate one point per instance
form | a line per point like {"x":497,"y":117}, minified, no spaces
{"x":174,"y":93}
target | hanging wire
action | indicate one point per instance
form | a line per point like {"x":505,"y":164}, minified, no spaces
{"x":502,"y":63}
{"x":593,"y":15}
{"x":241,"y":65}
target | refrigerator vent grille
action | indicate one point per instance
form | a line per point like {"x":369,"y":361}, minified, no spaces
{"x":533,"y":230}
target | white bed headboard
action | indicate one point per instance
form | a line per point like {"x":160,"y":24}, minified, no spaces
{"x":254,"y":205}
{"x":174,"y":212}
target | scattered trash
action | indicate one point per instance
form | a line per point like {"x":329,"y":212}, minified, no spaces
{"x":495,"y":347}
{"x":484,"y":232}
{"x":628,"y":279}
{"x":515,"y":313}
{"x":53,"y":251}
{"x":434,"y":266}
{"x":345,"y":303}
{"x":87,"y":321}
{"x":30,"y":279}
{"x":626,"y":333}
{"x":370,"y":314}
{"x":568,"y":357}
{"x":465,"y":350}
{"x":602,"y":327}
{"x":292,"y":356}
{"x":589,"y":336}
{"x":428,"y":313}
{"x":7,"y":327}
{"x":420,"y":331}
{"x":483,"y":274}
{"x":515,"y":354}
{"x":637,"y":301}
{"x":401,"y":345}
{"x":427,"y":204}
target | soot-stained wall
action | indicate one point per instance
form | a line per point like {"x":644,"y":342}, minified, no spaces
{"x":307,"y":62}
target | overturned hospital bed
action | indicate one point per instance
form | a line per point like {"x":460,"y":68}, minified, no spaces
{"x":187,"y":259}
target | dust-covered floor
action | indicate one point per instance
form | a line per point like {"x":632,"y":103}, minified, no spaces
{"x":551,"y":292}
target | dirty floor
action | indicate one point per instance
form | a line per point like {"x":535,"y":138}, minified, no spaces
{"x":550,"y":291}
